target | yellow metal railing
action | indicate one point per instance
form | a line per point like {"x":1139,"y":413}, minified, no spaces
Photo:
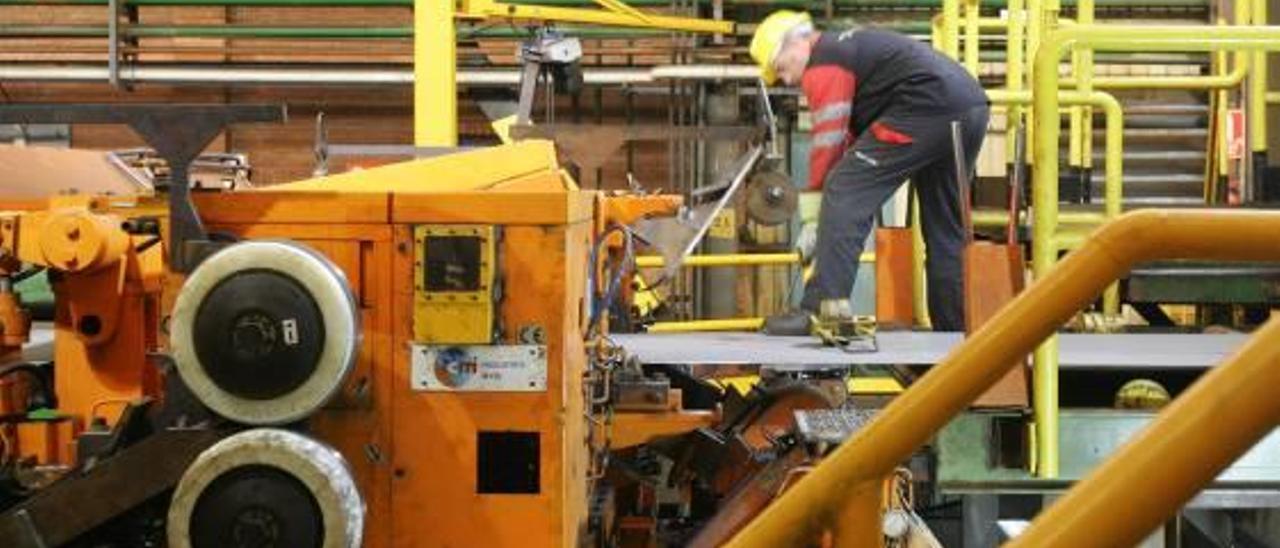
{"x":1184,"y":449}
{"x":1045,"y":184}
{"x":841,"y":496}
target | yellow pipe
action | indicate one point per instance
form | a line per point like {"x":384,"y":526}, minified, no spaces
{"x":1013,"y":75}
{"x":950,"y":28}
{"x":1173,"y":458}
{"x":972,"y":38}
{"x":1084,"y":14}
{"x":1034,"y":8}
{"x":919,"y":291}
{"x":733,"y":324}
{"x":1045,"y":184}
{"x":1240,"y":69}
{"x":735,"y":259}
{"x":996,"y":217}
{"x":435,"y":67}
{"x":912,"y":418}
{"x":1273,"y":97}
{"x":1113,"y":153}
{"x":1257,"y":106}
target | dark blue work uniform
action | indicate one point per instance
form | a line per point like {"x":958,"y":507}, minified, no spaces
{"x":882,"y":106}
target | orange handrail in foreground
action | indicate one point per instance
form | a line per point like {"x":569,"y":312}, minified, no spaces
{"x":841,"y":495}
{"x":1206,"y":429}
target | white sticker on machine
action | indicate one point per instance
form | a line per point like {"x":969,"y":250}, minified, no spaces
{"x":511,"y":368}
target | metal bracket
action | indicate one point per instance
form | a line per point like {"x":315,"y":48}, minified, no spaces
{"x":113,"y":42}
{"x":177,"y":133}
{"x":675,"y":238}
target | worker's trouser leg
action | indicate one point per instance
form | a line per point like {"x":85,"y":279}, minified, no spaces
{"x":866,"y":176}
{"x":943,"y":226}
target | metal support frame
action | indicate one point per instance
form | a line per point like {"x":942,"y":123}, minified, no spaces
{"x":178,"y":133}
{"x":814,"y":503}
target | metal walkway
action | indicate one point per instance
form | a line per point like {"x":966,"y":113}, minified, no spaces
{"x":1079,"y":351}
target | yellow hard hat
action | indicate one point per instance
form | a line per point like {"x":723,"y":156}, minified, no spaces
{"x":767,"y":41}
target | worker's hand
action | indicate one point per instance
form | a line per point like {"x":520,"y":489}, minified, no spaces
{"x":806,"y":241}
{"x":810,"y":204}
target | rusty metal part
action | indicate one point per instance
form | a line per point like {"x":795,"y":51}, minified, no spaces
{"x":178,"y":133}
{"x":78,"y":503}
{"x":15,"y":321}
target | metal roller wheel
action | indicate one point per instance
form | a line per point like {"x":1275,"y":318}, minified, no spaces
{"x":266,"y":488}
{"x":265,"y":332}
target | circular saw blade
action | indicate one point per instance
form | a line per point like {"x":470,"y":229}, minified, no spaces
{"x":771,"y":198}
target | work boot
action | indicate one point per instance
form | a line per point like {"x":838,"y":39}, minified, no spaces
{"x":796,"y":323}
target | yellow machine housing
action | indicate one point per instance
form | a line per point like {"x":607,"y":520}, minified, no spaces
{"x":453,"y":290}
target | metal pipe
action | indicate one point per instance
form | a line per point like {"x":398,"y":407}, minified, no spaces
{"x":738,"y":259}
{"x":1273,"y":97}
{"x":258,"y":75}
{"x":912,"y":418}
{"x":733,"y":324}
{"x":1240,"y":68}
{"x":1000,"y":217}
{"x":1045,"y":184}
{"x":1257,"y":105}
{"x":815,"y":5}
{"x":297,"y":32}
{"x":1014,"y":75}
{"x":1174,"y":457}
{"x":972,"y":38}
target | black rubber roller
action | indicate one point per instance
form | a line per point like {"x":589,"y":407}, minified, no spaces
{"x":264,"y":332}
{"x":266,"y":487}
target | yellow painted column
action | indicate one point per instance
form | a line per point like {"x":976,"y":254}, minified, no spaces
{"x":1014,"y":74}
{"x":1033,"y":21}
{"x":972,"y":36}
{"x":951,"y":28}
{"x":1257,"y":108}
{"x":435,"y":68}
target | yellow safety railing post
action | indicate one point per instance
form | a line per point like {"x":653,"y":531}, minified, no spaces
{"x":1182,"y":450}
{"x":972,"y":35}
{"x":805,"y":510}
{"x":1045,"y":207}
{"x":1014,"y":74}
{"x":951,"y":28}
{"x":435,"y":67}
{"x":1257,"y":105}
{"x":919,"y":288}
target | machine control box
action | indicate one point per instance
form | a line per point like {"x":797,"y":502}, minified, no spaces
{"x":513,"y":368}
{"x":454,"y":283}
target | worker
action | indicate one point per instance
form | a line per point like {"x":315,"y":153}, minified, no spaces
{"x":881,"y":107}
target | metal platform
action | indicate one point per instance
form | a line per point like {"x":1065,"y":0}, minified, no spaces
{"x":1080,"y":351}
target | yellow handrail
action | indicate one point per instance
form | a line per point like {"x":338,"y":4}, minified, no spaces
{"x":844,"y":487}
{"x":1045,"y":183}
{"x":1163,"y":453}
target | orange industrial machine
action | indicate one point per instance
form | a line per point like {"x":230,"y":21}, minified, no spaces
{"x":408,"y":355}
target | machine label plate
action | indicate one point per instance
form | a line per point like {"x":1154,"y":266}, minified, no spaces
{"x":512,"y":368}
